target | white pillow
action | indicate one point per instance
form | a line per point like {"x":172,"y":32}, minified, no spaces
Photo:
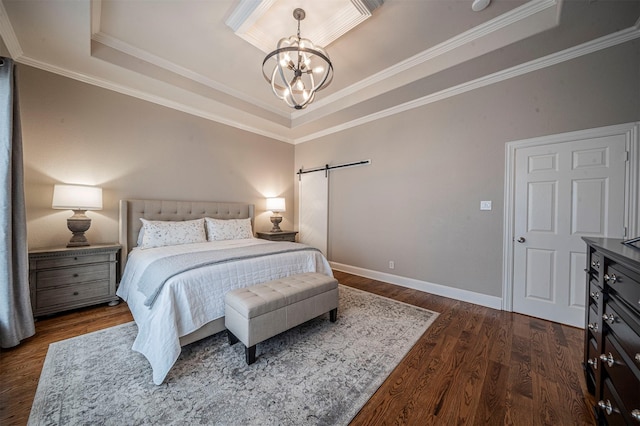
{"x":228,"y":229}
{"x":158,"y":233}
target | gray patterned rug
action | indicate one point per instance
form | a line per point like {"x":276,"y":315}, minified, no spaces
{"x":318,"y":373}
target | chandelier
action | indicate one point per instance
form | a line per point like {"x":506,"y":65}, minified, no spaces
{"x":300,"y":68}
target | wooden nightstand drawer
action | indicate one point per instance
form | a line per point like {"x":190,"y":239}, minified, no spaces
{"x":74,"y":275}
{"x":57,"y":262}
{"x":278,"y":236}
{"x":73,"y":295}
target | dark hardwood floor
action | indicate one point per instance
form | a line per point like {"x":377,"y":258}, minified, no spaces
{"x":474,"y":365}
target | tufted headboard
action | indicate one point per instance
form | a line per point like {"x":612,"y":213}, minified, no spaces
{"x":132,"y":210}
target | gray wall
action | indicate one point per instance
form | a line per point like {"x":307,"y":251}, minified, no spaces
{"x":77,"y":133}
{"x":418,"y":202}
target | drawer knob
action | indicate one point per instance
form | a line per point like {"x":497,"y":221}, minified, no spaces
{"x":595,"y":295}
{"x":635,"y":415}
{"x":593,"y":326}
{"x":611,"y":279}
{"x":611,"y":318}
{"x":595,"y":264}
{"x":637,"y":357}
{"x":593,"y":362}
{"x":75,"y":293}
{"x":608,"y":359}
{"x":606,"y":406}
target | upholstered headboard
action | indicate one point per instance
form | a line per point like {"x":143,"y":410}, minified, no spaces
{"x":132,"y":210}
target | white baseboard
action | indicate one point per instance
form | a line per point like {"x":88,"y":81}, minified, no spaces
{"x":437,"y":289}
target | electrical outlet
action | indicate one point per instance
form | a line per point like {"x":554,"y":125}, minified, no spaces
{"x":485,"y":205}
{"x":392,"y":264}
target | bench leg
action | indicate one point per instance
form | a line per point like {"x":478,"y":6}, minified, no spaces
{"x":232,"y":338}
{"x":250,"y":354}
{"x":333,"y":315}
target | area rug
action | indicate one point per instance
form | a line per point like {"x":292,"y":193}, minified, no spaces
{"x":317,"y":373}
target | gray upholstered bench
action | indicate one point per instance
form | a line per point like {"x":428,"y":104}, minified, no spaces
{"x":256,"y":313}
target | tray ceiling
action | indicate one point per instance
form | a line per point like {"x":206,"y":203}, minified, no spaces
{"x":194,"y":55}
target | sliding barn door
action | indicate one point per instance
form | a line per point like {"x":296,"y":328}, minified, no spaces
{"x":314,"y":210}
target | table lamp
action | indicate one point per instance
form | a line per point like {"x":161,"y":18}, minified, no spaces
{"x":276,"y":205}
{"x":78,"y":198}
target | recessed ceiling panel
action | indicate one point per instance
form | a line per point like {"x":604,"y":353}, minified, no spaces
{"x":264,"y":22}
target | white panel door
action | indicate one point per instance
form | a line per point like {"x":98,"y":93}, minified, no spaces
{"x":563,"y":191}
{"x":314,"y":210}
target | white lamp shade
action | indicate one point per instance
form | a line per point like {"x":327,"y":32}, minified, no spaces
{"x":276,"y":205}
{"x":77,"y":197}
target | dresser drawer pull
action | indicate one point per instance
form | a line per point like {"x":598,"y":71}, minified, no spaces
{"x":75,"y":293}
{"x":635,"y":415}
{"x":611,"y":318}
{"x":595,"y":264}
{"x":593,"y":362}
{"x":606,"y":406}
{"x":611,"y":279}
{"x":595,"y":295}
{"x":608,"y":359}
{"x":637,"y":357}
{"x":593,"y":326}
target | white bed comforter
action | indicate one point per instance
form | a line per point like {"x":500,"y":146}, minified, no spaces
{"x":193,"y":298}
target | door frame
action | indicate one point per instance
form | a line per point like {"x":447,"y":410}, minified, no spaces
{"x":632,"y":183}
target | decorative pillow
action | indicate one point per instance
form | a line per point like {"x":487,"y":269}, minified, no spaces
{"x":158,"y":233}
{"x":228,"y":229}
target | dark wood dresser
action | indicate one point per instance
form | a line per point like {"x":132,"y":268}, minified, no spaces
{"x":612,"y":334}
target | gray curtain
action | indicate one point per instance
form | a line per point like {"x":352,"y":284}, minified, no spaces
{"x":16,"y":317}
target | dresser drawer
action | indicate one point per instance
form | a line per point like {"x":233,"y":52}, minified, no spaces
{"x":72,"y":275}
{"x":73,"y":294}
{"x":63,"y":261}
{"x":593,"y":357}
{"x":595,"y":261}
{"x":610,"y":407}
{"x":625,"y":284}
{"x":593,"y":324}
{"x":627,"y":383}
{"x":625,"y":330}
{"x":595,"y":292}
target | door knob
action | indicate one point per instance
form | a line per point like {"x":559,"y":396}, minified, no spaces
{"x":521,"y":240}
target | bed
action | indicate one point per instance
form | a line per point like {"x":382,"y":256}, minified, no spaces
{"x":189,"y":305}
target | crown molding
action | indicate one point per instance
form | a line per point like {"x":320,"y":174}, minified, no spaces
{"x":105,"y":84}
{"x":589,"y":47}
{"x":8,"y":35}
{"x":159,"y":62}
{"x":509,"y":18}
{"x":282,"y":133}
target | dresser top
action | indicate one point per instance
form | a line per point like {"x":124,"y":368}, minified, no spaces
{"x":614,"y":248}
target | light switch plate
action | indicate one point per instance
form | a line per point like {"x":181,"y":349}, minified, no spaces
{"x":485,"y":205}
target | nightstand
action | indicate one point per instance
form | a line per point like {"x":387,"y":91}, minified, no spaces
{"x":278,"y":236}
{"x":67,"y":278}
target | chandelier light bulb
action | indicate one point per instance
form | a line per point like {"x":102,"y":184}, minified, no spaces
{"x":293,"y":80}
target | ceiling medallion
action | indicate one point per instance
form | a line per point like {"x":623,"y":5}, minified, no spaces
{"x":299,"y":70}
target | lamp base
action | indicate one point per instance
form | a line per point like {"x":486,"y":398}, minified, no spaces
{"x":79,"y":223}
{"x":276,"y":223}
